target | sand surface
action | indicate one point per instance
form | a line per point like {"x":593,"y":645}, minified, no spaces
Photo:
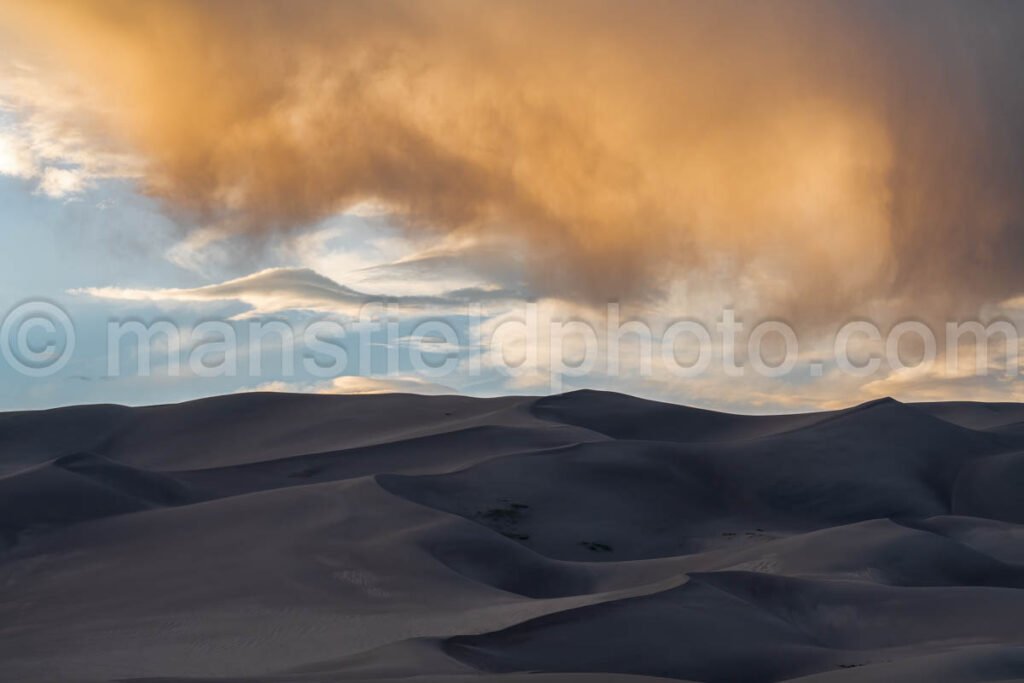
{"x":583,"y":538}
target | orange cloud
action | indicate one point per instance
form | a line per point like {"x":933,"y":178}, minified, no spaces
{"x":821,"y":155}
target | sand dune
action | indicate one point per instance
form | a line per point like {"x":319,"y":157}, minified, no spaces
{"x":574,"y":539}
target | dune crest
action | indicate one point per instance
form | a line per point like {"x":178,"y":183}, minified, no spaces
{"x":576,"y":538}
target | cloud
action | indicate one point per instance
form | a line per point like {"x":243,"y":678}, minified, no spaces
{"x":60,"y":182}
{"x":385,"y":385}
{"x":935,"y":383}
{"x":282,"y":289}
{"x":46,"y":135}
{"x":459,"y":260}
{"x":16,"y":159}
{"x":19,"y":159}
{"x":806,"y":157}
{"x":355,"y":384}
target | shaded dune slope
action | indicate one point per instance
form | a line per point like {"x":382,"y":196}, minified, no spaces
{"x":576,"y":538}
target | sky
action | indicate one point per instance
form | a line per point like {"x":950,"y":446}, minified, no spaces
{"x":454,"y":194}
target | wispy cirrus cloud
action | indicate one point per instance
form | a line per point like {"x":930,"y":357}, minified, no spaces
{"x":281,"y":289}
